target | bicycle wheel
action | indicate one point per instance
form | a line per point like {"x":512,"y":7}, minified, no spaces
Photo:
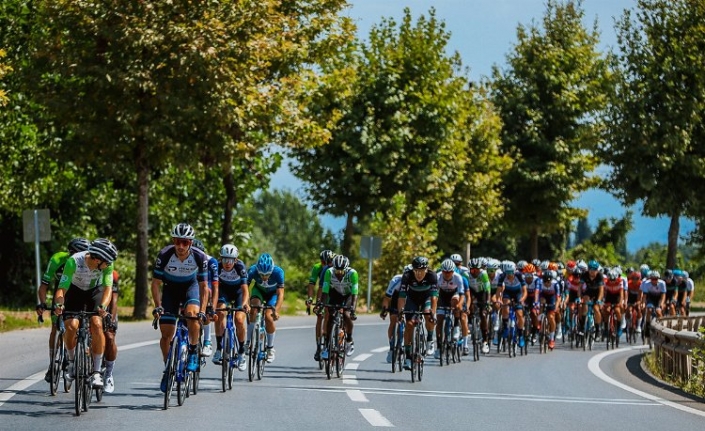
{"x":422,"y":343}
{"x":395,"y":341}
{"x":321,"y":362}
{"x":196,"y":375}
{"x":88,"y":388}
{"x":443,"y":349}
{"x":170,"y":370}
{"x":79,"y":370}
{"x":262,"y":357}
{"x":56,"y":361}
{"x":253,"y":353}
{"x":182,"y":389}
{"x":331,"y":354}
{"x":234,"y":356}
{"x":341,"y":354}
{"x":225,"y":364}
{"x":476,"y":339}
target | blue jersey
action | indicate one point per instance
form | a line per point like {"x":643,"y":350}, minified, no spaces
{"x":212,"y":271}
{"x":394,"y":285}
{"x":275,"y":281}
{"x":173,"y":272}
{"x":513,"y":286}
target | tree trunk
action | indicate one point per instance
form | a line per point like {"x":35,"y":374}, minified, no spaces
{"x":230,"y":196}
{"x":673,"y":231}
{"x":142,"y":255}
{"x":348,"y":236}
{"x":534,"y":243}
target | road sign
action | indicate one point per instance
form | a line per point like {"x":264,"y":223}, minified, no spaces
{"x":370,"y":247}
{"x":36,"y":220}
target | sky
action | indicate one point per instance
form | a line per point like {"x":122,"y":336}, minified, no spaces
{"x":483,"y":32}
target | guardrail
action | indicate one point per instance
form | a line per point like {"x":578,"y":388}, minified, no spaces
{"x":674,"y":339}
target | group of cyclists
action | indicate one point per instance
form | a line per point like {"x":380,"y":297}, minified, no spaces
{"x":187,"y":281}
{"x":493,"y":287}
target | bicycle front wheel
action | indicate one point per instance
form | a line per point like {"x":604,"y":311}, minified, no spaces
{"x":262,"y":356}
{"x":225,"y":363}
{"x":57,"y":360}
{"x":79,"y":370}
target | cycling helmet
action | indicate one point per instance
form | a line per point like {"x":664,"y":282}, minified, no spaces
{"x":685,"y":274}
{"x":183,"y":230}
{"x":341,"y":263}
{"x":199,"y":244}
{"x":103,"y":249}
{"x":229,"y":251}
{"x":560,"y":266}
{"x":582,"y":265}
{"x":265,"y":264}
{"x":553,"y":266}
{"x":654,"y":274}
{"x":326,"y":256}
{"x":613,"y":274}
{"x":570,"y":265}
{"x":420,"y":262}
{"x":508,"y":266}
{"x":529,"y":268}
{"x":456,"y":258}
{"x":536,"y":262}
{"x":545,"y":265}
{"x":475,"y":263}
{"x":447,"y":265}
{"x":408,"y":268}
{"x":593,"y":265}
{"x":528,"y":276}
{"x":521,"y":264}
{"x":547,"y":276}
{"x":644,"y":269}
{"x":78,"y":244}
{"x":493,"y":265}
{"x":668,"y":274}
{"x":678,"y":273}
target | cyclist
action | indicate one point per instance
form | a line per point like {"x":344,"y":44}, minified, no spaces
{"x":574,"y":286}
{"x":233,"y":288}
{"x":317,"y":272}
{"x":213,"y":284}
{"x":110,"y":325}
{"x":479,"y":291}
{"x":533,"y":286}
{"x":654,"y":294}
{"x":512,"y":287}
{"x":634,"y":295}
{"x":450,"y":292}
{"x":180,"y":277}
{"x":690,"y":289}
{"x":389,"y":306}
{"x":268,"y":290}
{"x":418,"y":292}
{"x":465,"y":275}
{"x":340,"y":288}
{"x":671,"y":292}
{"x":549,"y":292}
{"x":87,"y":284}
{"x":614,"y":295}
{"x":55,"y":268}
{"x":495,"y":274}
{"x":593,"y":290}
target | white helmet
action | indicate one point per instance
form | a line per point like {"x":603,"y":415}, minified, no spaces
{"x":229,"y":251}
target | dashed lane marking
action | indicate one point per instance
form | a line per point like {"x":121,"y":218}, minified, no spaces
{"x":375,"y":418}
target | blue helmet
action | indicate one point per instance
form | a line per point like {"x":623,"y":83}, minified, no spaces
{"x":593,"y":264}
{"x":265,"y":264}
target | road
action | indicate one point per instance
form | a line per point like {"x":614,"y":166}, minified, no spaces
{"x":562,"y":390}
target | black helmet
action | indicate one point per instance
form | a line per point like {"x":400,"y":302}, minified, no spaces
{"x":104,"y":250}
{"x":547,"y":276}
{"x":419,"y":262}
{"x":78,"y":244}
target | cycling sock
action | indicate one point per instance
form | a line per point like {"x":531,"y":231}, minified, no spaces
{"x":429,"y":337}
{"x":207,"y":334}
{"x":241,"y":348}
{"x":391,"y":344}
{"x":97,"y":362}
{"x":219,"y":342}
{"x":270,"y":340}
{"x":109,"y":365}
{"x":250,"y":326}
{"x":71,"y":353}
{"x":192,"y":348}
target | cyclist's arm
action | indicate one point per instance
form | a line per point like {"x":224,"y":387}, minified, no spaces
{"x":156,"y":295}
{"x":65,"y":283}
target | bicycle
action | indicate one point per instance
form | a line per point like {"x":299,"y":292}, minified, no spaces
{"x":83,"y":362}
{"x":398,"y":343}
{"x":646,"y":331}
{"x":632,"y":323}
{"x":418,"y":344}
{"x":475,"y":329}
{"x":447,"y":343}
{"x":543,"y":329}
{"x":612,"y":339}
{"x":258,"y":344}
{"x":589,"y":327}
{"x":176,"y":361}
{"x":57,"y":357}
{"x":230,"y":346}
{"x":336,"y":341}
{"x":509,"y":335}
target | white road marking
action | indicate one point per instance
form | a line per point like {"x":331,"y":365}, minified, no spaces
{"x":351,"y":366}
{"x":380,"y":349}
{"x":20,"y":386}
{"x":350,"y":380}
{"x":594,"y":367}
{"x":375,"y":418}
{"x":362,"y":357}
{"x":357,"y":396}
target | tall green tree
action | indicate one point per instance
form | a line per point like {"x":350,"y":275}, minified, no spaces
{"x":549,"y":97}
{"x":404,"y":128}
{"x":656,"y":129}
{"x":152,"y":85}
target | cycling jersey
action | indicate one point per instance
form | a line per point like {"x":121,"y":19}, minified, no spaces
{"x":77,"y":274}
{"x":532,"y":289}
{"x":479,"y":284}
{"x":231,"y":283}
{"x":549,"y":292}
{"x":175,"y":273}
{"x":417,"y":293}
{"x":55,"y":268}
{"x":613,"y":290}
{"x":653,"y":292}
{"x":347,"y":285}
{"x":316,"y":272}
{"x":494,"y":281}
{"x":212,"y":272}
{"x":592,"y":285}
{"x":449,"y":289}
{"x":394,"y":285}
{"x":671,"y":288}
{"x":512,"y":285}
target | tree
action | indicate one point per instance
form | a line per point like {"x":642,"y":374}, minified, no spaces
{"x":583,"y":232}
{"x":157,"y":85}
{"x":404,"y":127}
{"x":549,"y":98}
{"x":656,"y":129}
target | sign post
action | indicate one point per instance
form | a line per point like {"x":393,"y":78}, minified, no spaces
{"x":36,"y":227}
{"x":370,"y":248}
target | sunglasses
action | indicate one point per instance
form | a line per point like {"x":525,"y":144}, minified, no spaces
{"x":181,"y":241}
{"x":228,"y":261}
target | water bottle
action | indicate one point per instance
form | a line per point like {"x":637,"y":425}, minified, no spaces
{"x":183,"y":352}
{"x":456,"y":333}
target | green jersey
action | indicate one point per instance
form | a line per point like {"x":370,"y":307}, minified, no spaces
{"x":481,"y":283}
{"x":78,"y":274}
{"x":315,"y":273}
{"x":345,"y":286}
{"x":55,"y":268}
